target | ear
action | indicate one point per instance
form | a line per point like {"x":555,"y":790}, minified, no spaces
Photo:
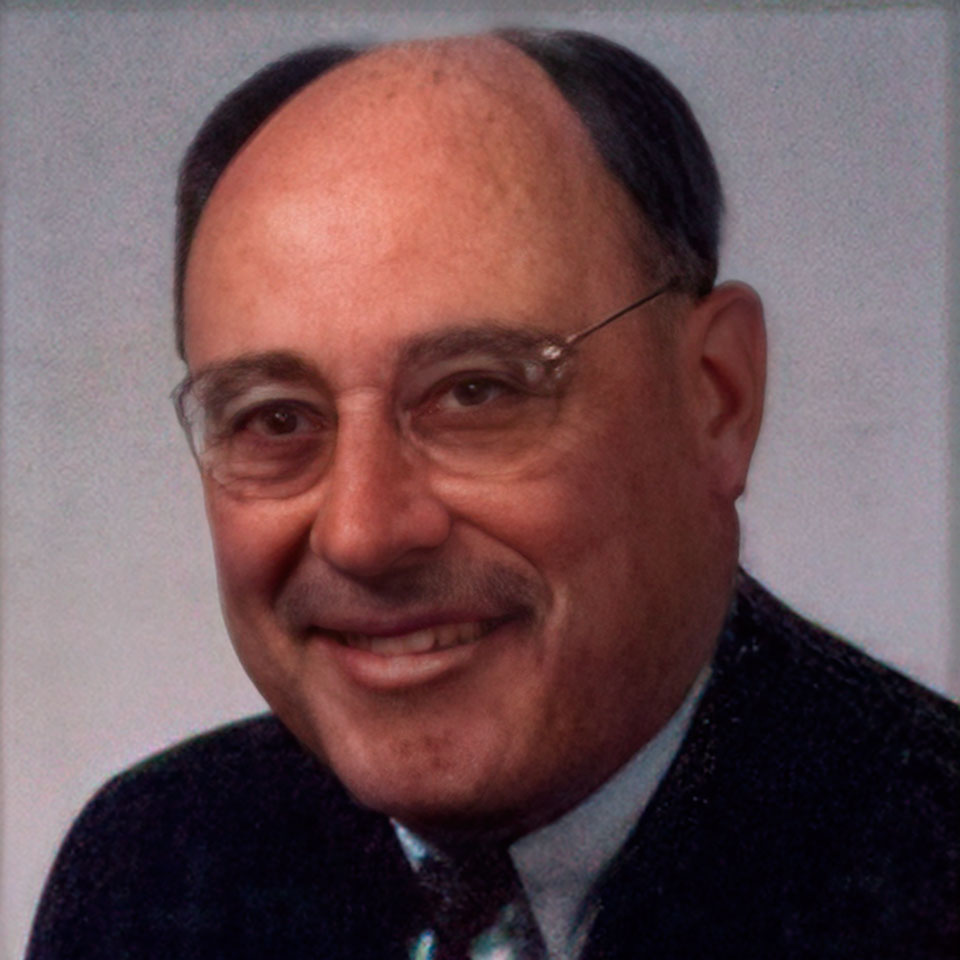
{"x":727,"y":365}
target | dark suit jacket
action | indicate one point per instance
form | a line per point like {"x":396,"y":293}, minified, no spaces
{"x":811,"y":812}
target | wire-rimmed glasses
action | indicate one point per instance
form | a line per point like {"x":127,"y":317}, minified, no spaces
{"x":476,"y":402}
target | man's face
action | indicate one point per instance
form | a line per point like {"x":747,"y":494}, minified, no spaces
{"x":464,"y":650}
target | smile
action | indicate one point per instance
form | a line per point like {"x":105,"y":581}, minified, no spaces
{"x":427,"y":640}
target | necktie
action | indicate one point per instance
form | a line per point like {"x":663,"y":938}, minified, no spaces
{"x":479,"y":910}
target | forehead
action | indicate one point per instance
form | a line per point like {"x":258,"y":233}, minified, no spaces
{"x":410,"y":186}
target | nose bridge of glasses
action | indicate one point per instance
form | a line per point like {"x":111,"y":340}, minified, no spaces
{"x":369,"y":437}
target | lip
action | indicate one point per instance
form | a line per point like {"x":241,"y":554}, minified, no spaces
{"x":391,"y":671}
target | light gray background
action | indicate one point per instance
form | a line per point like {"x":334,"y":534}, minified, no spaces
{"x":831,"y":130}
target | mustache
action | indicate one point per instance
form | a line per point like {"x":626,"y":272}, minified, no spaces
{"x":311,"y":597}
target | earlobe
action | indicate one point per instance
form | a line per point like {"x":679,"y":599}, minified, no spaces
{"x":730,"y":361}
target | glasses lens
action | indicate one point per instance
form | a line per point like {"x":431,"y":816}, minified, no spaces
{"x":487,"y":418}
{"x":475,"y":414}
{"x":267,"y":442}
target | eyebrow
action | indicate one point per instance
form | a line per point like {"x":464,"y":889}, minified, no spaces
{"x":488,"y":336}
{"x":272,"y":365}
{"x":222,"y":381}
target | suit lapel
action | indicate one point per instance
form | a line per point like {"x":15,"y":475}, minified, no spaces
{"x":666,"y":894}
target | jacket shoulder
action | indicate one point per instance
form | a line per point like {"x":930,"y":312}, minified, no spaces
{"x":235,"y":843}
{"x":826,"y":791}
{"x":835,"y":695}
{"x":812,"y":810}
{"x":218,"y":767}
{"x":225,"y":781}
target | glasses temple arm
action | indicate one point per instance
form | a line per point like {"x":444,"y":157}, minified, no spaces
{"x":575,"y":338}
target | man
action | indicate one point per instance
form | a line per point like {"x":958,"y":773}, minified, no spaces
{"x":472,"y":420}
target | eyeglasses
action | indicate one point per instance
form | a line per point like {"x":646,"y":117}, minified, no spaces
{"x":477,"y":402}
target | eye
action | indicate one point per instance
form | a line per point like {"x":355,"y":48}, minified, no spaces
{"x":471,"y":402}
{"x":474,"y":390}
{"x":267,"y":441}
{"x":277,"y":420}
{"x":270,"y":422}
{"x":474,"y":398}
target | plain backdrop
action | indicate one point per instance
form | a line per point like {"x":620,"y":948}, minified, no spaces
{"x":831,"y":130}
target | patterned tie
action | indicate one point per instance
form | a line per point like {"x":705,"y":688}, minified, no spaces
{"x":479,"y":910}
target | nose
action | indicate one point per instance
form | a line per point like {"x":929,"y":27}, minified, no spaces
{"x":378,"y":508}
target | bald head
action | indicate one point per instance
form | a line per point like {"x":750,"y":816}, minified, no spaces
{"x":596,"y":97}
{"x":445,"y":148}
{"x":477,"y":102}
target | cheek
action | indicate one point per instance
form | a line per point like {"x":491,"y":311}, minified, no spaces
{"x":255,"y":545}
{"x":612,"y":529}
{"x":618,"y":489}
{"x":569,"y":524}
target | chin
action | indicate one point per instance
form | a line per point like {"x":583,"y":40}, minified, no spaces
{"x":429,"y":802}
{"x":434,"y":783}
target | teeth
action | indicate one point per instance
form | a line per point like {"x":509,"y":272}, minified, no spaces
{"x":420,"y":641}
